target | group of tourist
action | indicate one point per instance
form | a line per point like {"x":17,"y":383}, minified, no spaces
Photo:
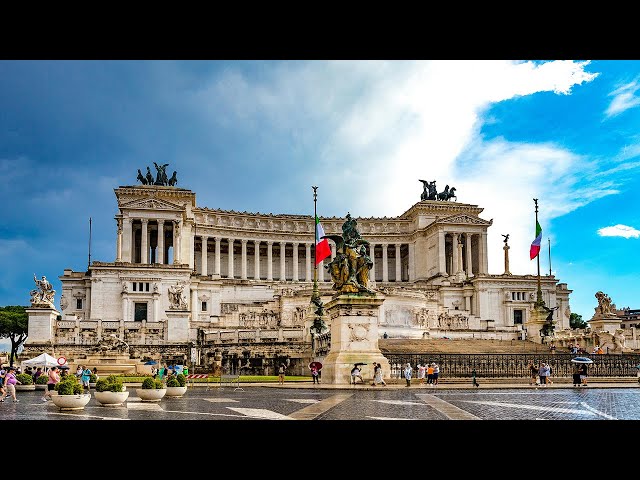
{"x":429,"y":372}
{"x":164,"y":372}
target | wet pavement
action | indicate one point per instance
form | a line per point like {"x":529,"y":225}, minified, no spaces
{"x":360,"y":403}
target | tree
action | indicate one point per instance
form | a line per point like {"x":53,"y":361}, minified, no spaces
{"x":14,"y":325}
{"x":575,"y":321}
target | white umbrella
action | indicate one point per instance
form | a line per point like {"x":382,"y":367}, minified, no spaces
{"x":581,"y":360}
{"x":44,"y":360}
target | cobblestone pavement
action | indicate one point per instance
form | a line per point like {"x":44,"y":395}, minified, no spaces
{"x":393,"y":403}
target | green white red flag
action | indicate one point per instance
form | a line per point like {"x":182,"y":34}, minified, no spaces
{"x":535,"y":245}
{"x":323,"y":250}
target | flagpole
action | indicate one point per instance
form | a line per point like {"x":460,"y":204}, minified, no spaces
{"x":549,"y":240}
{"x":315,"y":234}
{"x":539,"y":300}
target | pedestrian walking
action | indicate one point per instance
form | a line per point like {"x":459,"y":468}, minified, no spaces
{"x":407,"y":374}
{"x":86,"y":378}
{"x":422,"y":372}
{"x":3,"y":372}
{"x":436,"y":374}
{"x":474,"y":382}
{"x":543,"y":372}
{"x":355,"y":374}
{"x":377,"y":375}
{"x":54,"y":377}
{"x":583,"y":374}
{"x":10,"y":382}
{"x":533,"y":373}
{"x":281,"y":374}
{"x":576,"y":375}
{"x":430,"y":374}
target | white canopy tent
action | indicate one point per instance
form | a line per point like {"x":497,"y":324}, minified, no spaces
{"x":44,"y":360}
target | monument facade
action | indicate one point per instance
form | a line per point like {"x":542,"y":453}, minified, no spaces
{"x":231,"y":290}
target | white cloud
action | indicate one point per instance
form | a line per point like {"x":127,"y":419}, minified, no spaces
{"x":619,"y":231}
{"x":624,"y":98}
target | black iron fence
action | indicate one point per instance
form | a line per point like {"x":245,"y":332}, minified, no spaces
{"x":513,"y":365}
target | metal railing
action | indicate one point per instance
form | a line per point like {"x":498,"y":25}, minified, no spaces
{"x":513,"y":365}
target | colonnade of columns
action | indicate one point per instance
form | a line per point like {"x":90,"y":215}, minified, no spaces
{"x":142,"y":240}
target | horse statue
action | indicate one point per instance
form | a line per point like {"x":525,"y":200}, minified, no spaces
{"x":141,"y":178}
{"x":173,"y":180}
{"x":444,"y":195}
{"x":452,"y":193}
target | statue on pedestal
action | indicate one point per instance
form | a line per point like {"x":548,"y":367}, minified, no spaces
{"x":42,"y":296}
{"x":350,"y":268}
{"x":604,"y":304}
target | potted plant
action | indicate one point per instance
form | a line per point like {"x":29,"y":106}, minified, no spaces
{"x":26,"y":382}
{"x":176,"y":385}
{"x":71,"y":394}
{"x":93,"y":379}
{"x":152,"y":390}
{"x":110,"y":391}
{"x":41,"y":382}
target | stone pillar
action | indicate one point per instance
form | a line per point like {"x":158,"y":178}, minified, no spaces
{"x":144,"y":244}
{"x":372,"y":254}
{"x":160,"y":256}
{"x":194,"y":302}
{"x":127,"y":240}
{"x":204,"y":266}
{"x":454,"y":253}
{"x":484,"y":261}
{"x":354,"y":338}
{"x":385,"y":263}
{"x":177,"y":244}
{"x":119,"y":241}
{"x":256,"y":259}
{"x":156,"y":307}
{"x":243,"y":274}
{"x":283,"y":258}
{"x":332,"y":246}
{"x":308,"y":277}
{"x":469,"y":257}
{"x":269,"y":260}
{"x":412,"y":262}
{"x":506,"y":259}
{"x":216,"y":270}
{"x":295,"y":261}
{"x":125,"y":307}
{"x":230,"y":259}
{"x":442,"y":259}
{"x":398,"y":264}
{"x":41,"y":324}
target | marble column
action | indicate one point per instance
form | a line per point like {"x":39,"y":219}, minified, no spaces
{"x":483,"y":253}
{"x":119,"y":240}
{"x":283,"y":258}
{"x":244,"y":259}
{"x":216,"y":262}
{"x":160,"y":248}
{"x":256,"y":259}
{"x":127,"y":240}
{"x":412,"y":262}
{"x":385,"y":263}
{"x":194,"y":303}
{"x":469,"y":258}
{"x":144,"y":244}
{"x":269,"y":260}
{"x":372,"y":254}
{"x":295,"y":262}
{"x":204,"y":266}
{"x":442,"y":265}
{"x":230,"y":258}
{"x":177,"y":244}
{"x":308,"y":276}
{"x":398,"y":264}
{"x":454,"y":252}
{"x":125,"y":304}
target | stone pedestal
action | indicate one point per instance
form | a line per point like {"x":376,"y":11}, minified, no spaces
{"x":608,"y":323}
{"x":354,"y":338}
{"x":41,"y":324}
{"x":177,"y":326}
{"x":536,"y":320}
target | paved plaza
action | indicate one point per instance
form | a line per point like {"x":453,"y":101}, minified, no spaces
{"x":360,"y":403}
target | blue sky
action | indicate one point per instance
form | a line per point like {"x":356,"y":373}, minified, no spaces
{"x":256,"y":135}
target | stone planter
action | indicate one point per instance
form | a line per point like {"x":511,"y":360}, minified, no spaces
{"x":176,"y":391}
{"x":151,"y":394}
{"x":41,"y":387}
{"x":71,"y":402}
{"x":25,"y":387}
{"x":111,"y":399}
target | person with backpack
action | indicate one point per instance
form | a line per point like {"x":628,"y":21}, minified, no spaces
{"x":86,"y":378}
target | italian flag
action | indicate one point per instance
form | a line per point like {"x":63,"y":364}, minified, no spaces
{"x":535,"y":246}
{"x":323,"y":250}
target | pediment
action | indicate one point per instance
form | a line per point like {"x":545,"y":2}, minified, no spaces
{"x":461,"y":218}
{"x":150,"y":204}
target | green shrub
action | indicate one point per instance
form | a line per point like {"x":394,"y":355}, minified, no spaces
{"x":24,"y":378}
{"x":69,"y":385}
{"x":182,"y":380}
{"x":173,"y":382}
{"x":151,"y":382}
{"x":42,"y":380}
{"x":110,"y":384}
{"x":93,"y":378}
